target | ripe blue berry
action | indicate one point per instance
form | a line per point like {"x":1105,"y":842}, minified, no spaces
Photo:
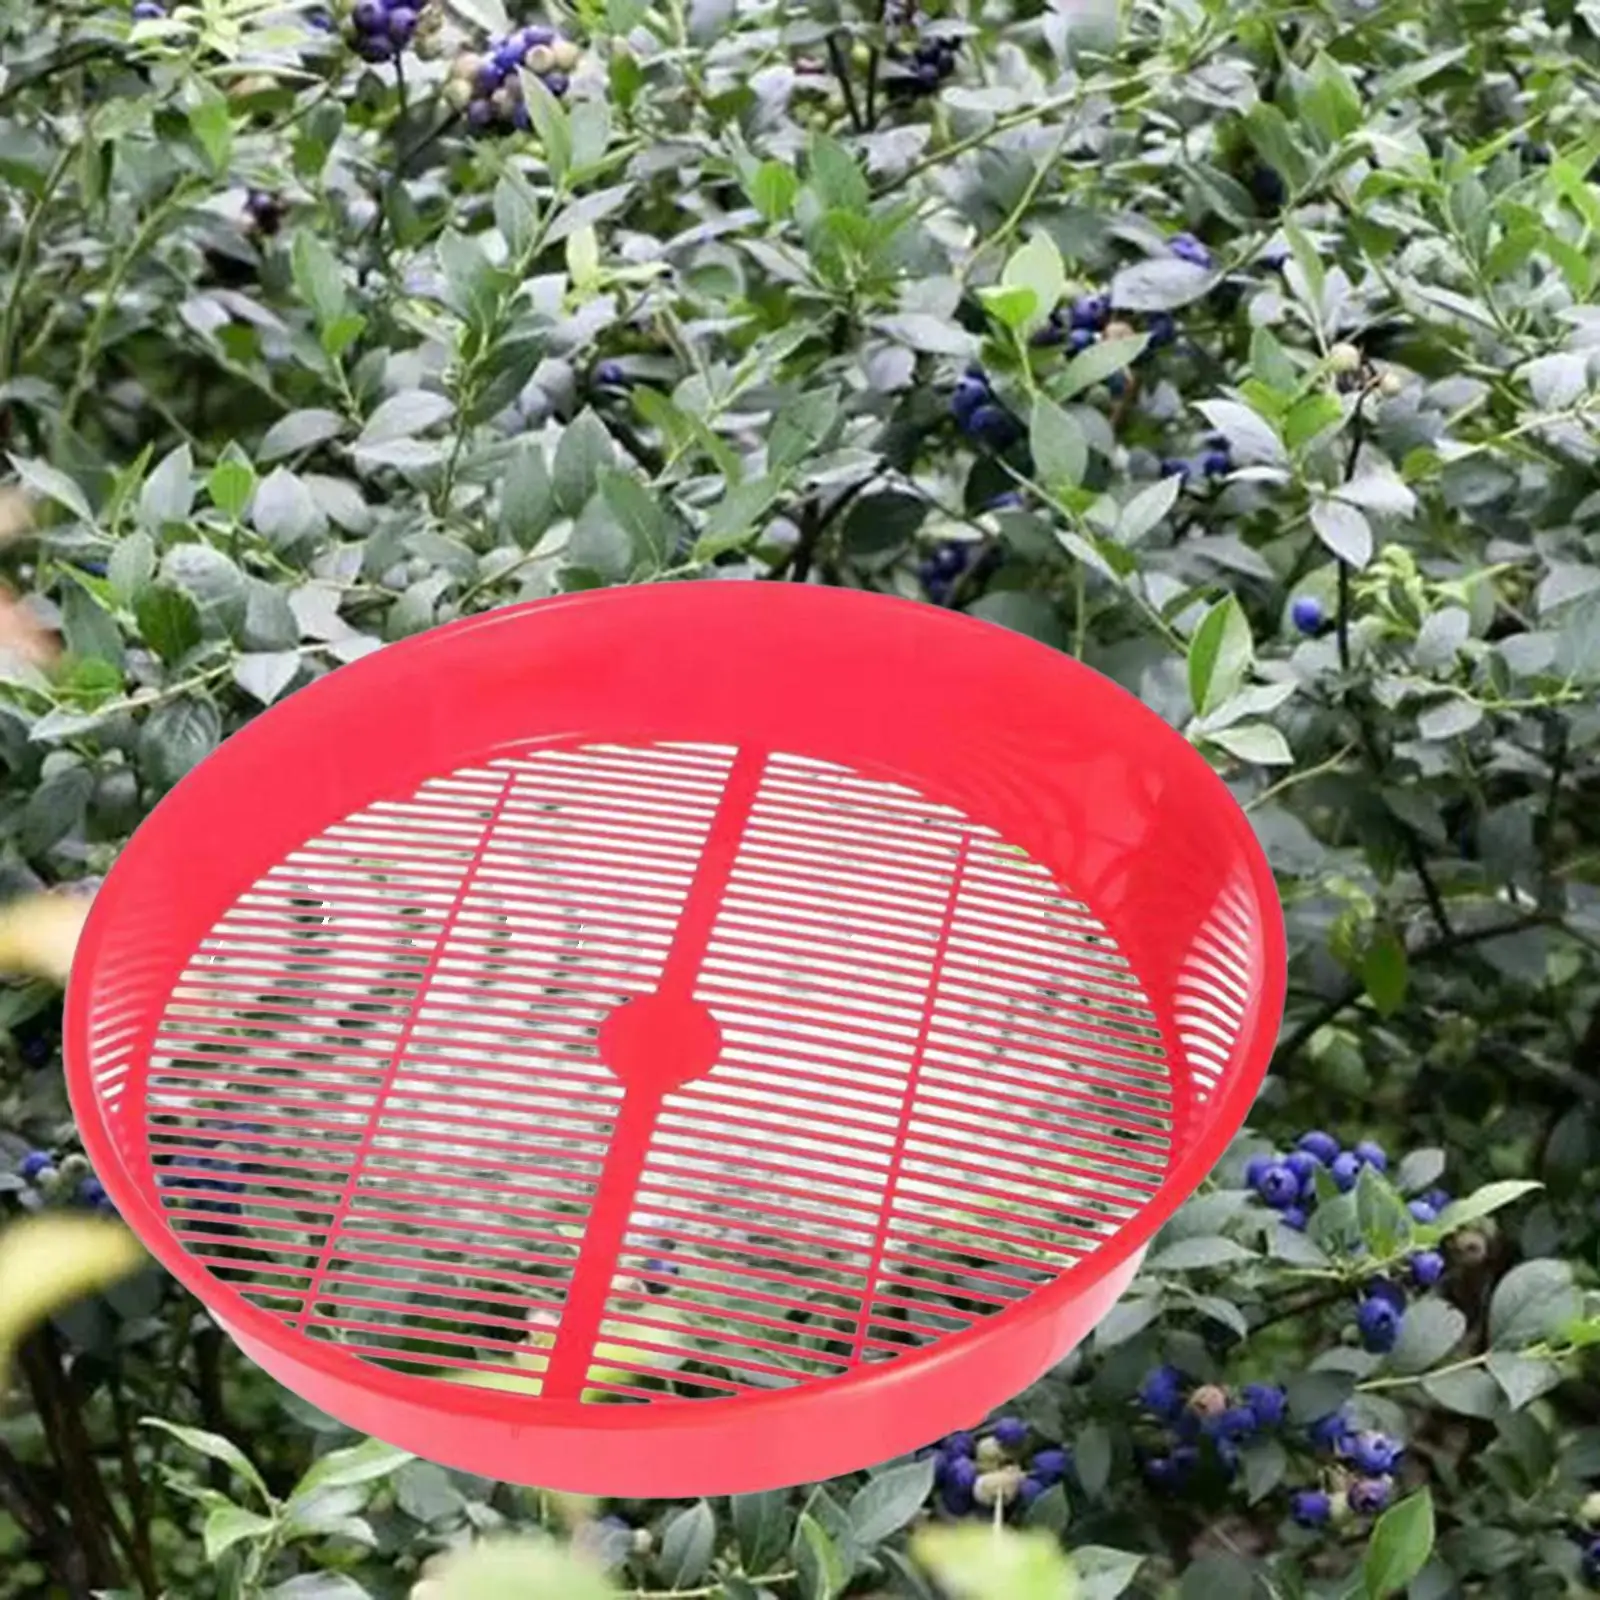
{"x":960,"y":1475}
{"x":1080,"y":339}
{"x":1091,"y":311}
{"x":91,"y":1192}
{"x":1591,"y":1562}
{"x":1117,"y":385}
{"x":370,"y":16}
{"x":1372,"y":1155}
{"x":34,"y":1163}
{"x":992,"y":424}
{"x":1306,"y":614}
{"x":1367,"y":1496}
{"x":1161,"y":1393}
{"x":1378,"y":1321}
{"x":1048,"y":1466}
{"x":556,"y":83}
{"x":1421,"y":1211}
{"x":1304,"y":1166}
{"x":1010,"y":500}
{"x":1161,"y":1472}
{"x":1295,"y":1217}
{"x":1437,"y":1198}
{"x":1316,"y":1143}
{"x":1330,"y":1432}
{"x":1427,"y":1268}
{"x":610,"y":374}
{"x":1161,"y":328}
{"x":1010,"y":1432}
{"x":1278,"y":1186}
{"x":1384,"y":1289}
{"x":1188,"y":248}
{"x":1254,"y":1168}
{"x":959,"y":1445}
{"x":320,"y":21}
{"x":1237,"y":1422}
{"x":1216,"y":463}
{"x":1267,"y":1402}
{"x":1372,"y":1453}
{"x":1172,"y":467}
{"x":1029,"y":1490}
{"x":402,"y":24}
{"x":148,"y":10}
{"x":969,"y":394}
{"x":1346,"y":1168}
{"x":1311,"y":1508}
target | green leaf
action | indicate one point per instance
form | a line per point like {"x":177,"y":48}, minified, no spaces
{"x":265,"y":674}
{"x":285,"y":511}
{"x":231,"y":483}
{"x":1384,"y":972}
{"x":1147,"y":509}
{"x":168,"y":620}
{"x":211,"y":122}
{"x":1430,"y":1330}
{"x":131,"y":565}
{"x":403,"y":415}
{"x":1060,"y":451}
{"x":211,"y":580}
{"x":88,"y":628}
{"x":1522,"y":1378}
{"x":318,"y":277}
{"x":227,"y":1526}
{"x":761,"y":1524}
{"x":299,"y":430}
{"x":361,"y":1463}
{"x":834,"y":176}
{"x":887,"y":1502}
{"x":53,"y":484}
{"x":1098,"y":363}
{"x":1491,"y":1197}
{"x":772,"y":188}
{"x":820,"y":1566}
{"x":1038,"y":267}
{"x":1103,"y":1573}
{"x":1161,"y":284}
{"x":1344,"y":530}
{"x":1330,"y":100}
{"x":1218,"y":1576}
{"x":799,"y":427}
{"x":217,"y":1448}
{"x":583,"y":451}
{"x":733,"y":518}
{"x":1092,"y":1456}
{"x":176,"y":737}
{"x":1265,"y":1463}
{"x":1534,"y":1301}
{"x":1402,"y":1541}
{"x":168,"y":493}
{"x":1250,"y":436}
{"x":1198,"y":1254}
{"x":1256,"y":742}
{"x":551,"y":126}
{"x":1015,"y":307}
{"x":1221,"y":653}
{"x":687,"y":1543}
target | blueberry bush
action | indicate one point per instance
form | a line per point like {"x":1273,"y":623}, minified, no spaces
{"x":1247,"y":350}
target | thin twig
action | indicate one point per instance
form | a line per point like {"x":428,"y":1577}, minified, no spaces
{"x":841,"y":71}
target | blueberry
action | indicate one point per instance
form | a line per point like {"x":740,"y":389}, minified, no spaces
{"x":1368,"y":1495}
{"x":960,"y":1445}
{"x":508,"y":56}
{"x":1278,"y":1186}
{"x":373,"y":48}
{"x":1427,"y":1268}
{"x":968,"y":395}
{"x":1162,"y":328}
{"x":1011,"y":1432}
{"x":1172,"y":467}
{"x":91,"y":1192}
{"x":1029,"y":1490}
{"x":949,"y":560}
{"x":926,"y":75}
{"x":556,"y":83}
{"x":1304,"y":1166}
{"x":1295,"y":1217}
{"x":1306,"y":614}
{"x":1379,"y":1323}
{"x":1161,"y":1393}
{"x":1383,"y":1289}
{"x":521,"y":116}
{"x":1421,"y":1211}
{"x":1329,"y":1432}
{"x":1010,"y":500}
{"x":1372,"y":1155}
{"x":1311,"y":1508}
{"x":1216,"y":463}
{"x":1117,"y":385}
{"x":960,"y":1475}
{"x":488,"y":78}
{"x":1267,"y":188}
{"x":480,"y":114}
{"x":1437,"y":1198}
{"x":370,"y":16}
{"x":1048,"y":1466}
{"x":1372,"y":1453}
{"x":1091,"y":311}
{"x":148,"y":11}
{"x":1237,"y":1422}
{"x":991,"y":424}
{"x":1345,"y":1168}
{"x":320,"y":21}
{"x":1050,"y":335}
{"x":34,"y":1163}
{"x":1256,"y":1165}
{"x":1188,"y":248}
{"x":402,"y":24}
{"x":1161,"y":1472}
{"x":533,"y":36}
{"x":1266,"y":1401}
{"x":610,"y":374}
{"x":1591,"y":1561}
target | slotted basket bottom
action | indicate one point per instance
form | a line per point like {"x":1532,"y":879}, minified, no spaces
{"x":524,"y":1088}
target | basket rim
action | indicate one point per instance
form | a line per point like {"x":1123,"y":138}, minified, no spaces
{"x":1018,"y":1324}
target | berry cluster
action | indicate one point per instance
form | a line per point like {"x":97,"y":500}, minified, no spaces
{"x":1214,"y":461}
{"x":488,"y":87}
{"x":978,"y":1474}
{"x":1288,"y":1183}
{"x":1206,"y":1417}
{"x":1088,"y":319}
{"x":68,"y":1182}
{"x":980,"y":415}
{"x":379,"y":31}
{"x":1360,"y":1479}
{"x":924,"y":69}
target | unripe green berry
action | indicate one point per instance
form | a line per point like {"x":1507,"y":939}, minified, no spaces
{"x":643,"y":1543}
{"x":1344,"y":358}
{"x":998,"y":1487}
{"x":466,"y":66}
{"x":1338,"y":1508}
{"x":458,"y":93}
{"x":1119,"y":330}
{"x":1390,"y":384}
{"x":566,"y":54}
{"x":989,"y":1453}
{"x":541,"y":59}
{"x":1589,"y":1512}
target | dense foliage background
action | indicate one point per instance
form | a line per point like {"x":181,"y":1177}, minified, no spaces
{"x":1246,"y":349}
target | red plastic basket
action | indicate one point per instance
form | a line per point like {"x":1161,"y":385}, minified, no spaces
{"x":781,"y":1012}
